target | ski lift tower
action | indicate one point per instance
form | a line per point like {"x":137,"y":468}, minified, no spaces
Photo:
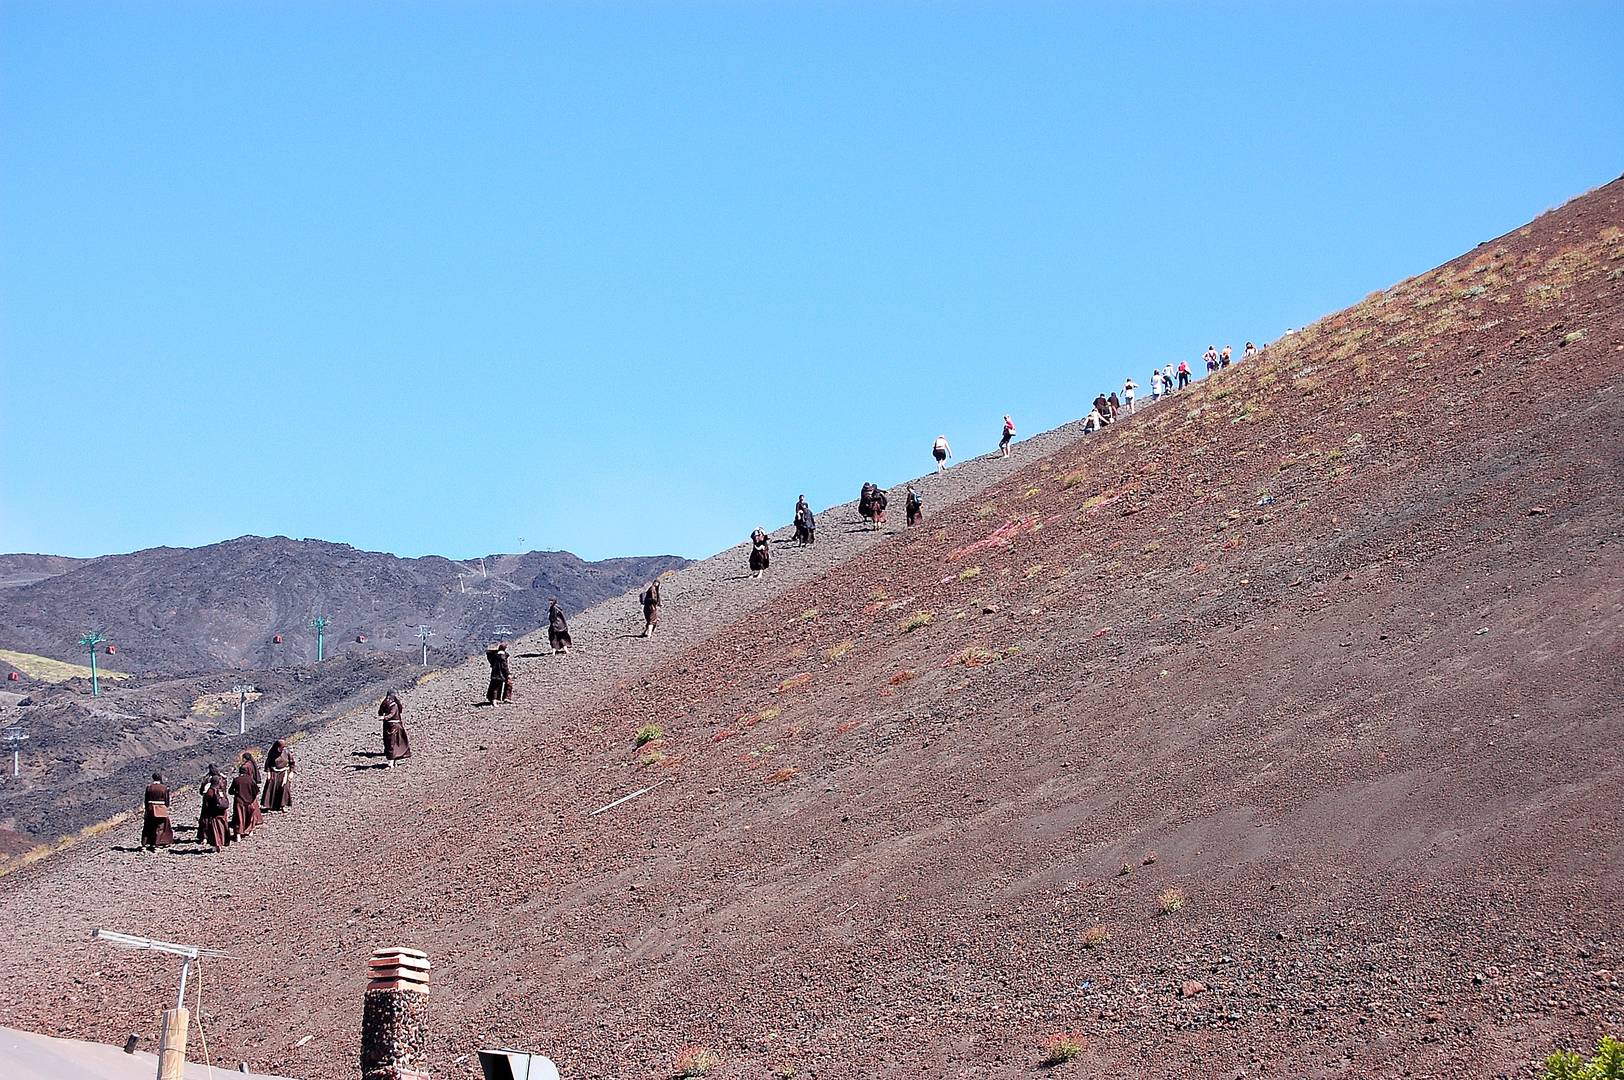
{"x":242,"y":690}
{"x":423,"y":634}
{"x":172,"y":1041}
{"x":91,"y":641}
{"x":319,"y":625}
{"x":15,"y":737}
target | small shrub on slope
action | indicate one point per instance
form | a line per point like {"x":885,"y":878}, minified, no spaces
{"x":694,"y":1061}
{"x":1608,"y":1064}
{"x":649,"y":733}
{"x":1061,"y":1047}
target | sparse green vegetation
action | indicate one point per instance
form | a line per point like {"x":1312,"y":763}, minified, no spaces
{"x":1061,"y":1047}
{"x":649,"y":733}
{"x":969,"y":572}
{"x":1095,"y":936}
{"x":809,"y":614}
{"x":917,"y":620}
{"x":835,"y":652}
{"x":1607,"y":1064}
{"x":1170,"y":902}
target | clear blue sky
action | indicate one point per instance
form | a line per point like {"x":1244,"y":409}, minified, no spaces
{"x":629,"y":278}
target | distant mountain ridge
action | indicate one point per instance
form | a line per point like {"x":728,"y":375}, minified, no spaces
{"x":169,"y":609}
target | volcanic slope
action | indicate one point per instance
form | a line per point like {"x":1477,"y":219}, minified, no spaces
{"x":1300,"y":686}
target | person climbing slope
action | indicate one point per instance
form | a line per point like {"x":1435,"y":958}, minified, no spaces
{"x":1128,"y":387}
{"x":941,"y":452}
{"x":1223,"y":357}
{"x":760,"y":555}
{"x":1009,"y":433}
{"x":211,"y":819}
{"x":558,"y":628}
{"x":245,"y":815}
{"x":156,"y":829}
{"x":278,"y":791}
{"x":914,"y":506}
{"x":1211,"y":359}
{"x":806,"y":526}
{"x":1102,"y":406}
{"x":395,"y":744}
{"x":651,"y":607}
{"x":501,"y":684}
{"x":1184,"y":374}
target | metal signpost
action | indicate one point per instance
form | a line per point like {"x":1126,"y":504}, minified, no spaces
{"x":424,"y":633}
{"x":319,"y":624}
{"x":172,"y":1041}
{"x":242,"y":690}
{"x":90,"y":641}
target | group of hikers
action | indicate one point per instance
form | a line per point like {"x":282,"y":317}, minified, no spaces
{"x":1164,"y":380}
{"x":231,"y":810}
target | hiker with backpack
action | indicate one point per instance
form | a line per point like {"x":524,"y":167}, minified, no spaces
{"x":914,"y":506}
{"x":1003,"y":443}
{"x":1167,"y":379}
{"x":1184,"y":374}
{"x":1211,"y":358}
{"x":941,"y":452}
{"x":211,"y":819}
{"x":1223,"y":357}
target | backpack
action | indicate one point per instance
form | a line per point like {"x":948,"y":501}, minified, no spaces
{"x":219,"y":802}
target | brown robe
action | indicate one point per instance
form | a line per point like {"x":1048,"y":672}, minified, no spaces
{"x":211,"y":820}
{"x":651,"y":605}
{"x":278,"y":790}
{"x":759,"y":555}
{"x":501,"y":684}
{"x":395,"y":744}
{"x":244,"y":803}
{"x":156,"y":829}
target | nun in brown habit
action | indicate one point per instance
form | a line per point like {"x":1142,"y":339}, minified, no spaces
{"x":278,"y":791}
{"x":156,"y":829}
{"x":395,"y":745}
{"x":211,"y":820}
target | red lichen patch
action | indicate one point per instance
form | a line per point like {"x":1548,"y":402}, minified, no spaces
{"x":849,"y":725}
{"x":783,"y":775}
{"x":903,"y":676}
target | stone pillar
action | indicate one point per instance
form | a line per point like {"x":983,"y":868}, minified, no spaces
{"x":394,"y":1025}
{"x":172,"y":1044}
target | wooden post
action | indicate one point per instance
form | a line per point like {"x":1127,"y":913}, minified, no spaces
{"x":172,"y":1044}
